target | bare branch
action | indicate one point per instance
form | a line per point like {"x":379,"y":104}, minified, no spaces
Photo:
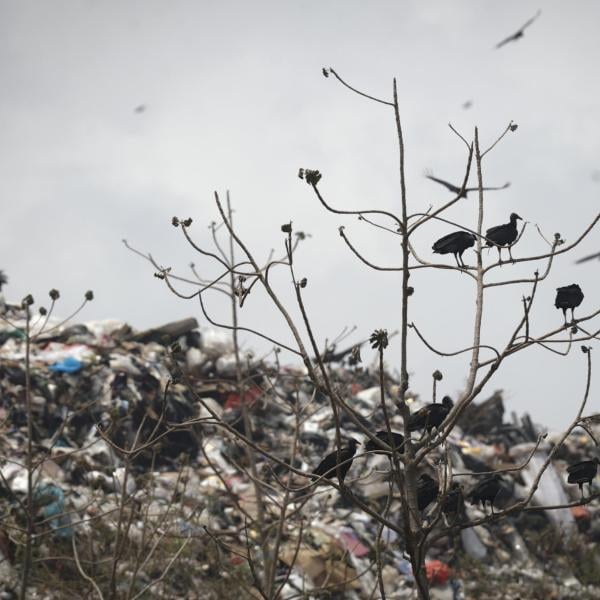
{"x":440,"y":353}
{"x":361,"y":257}
{"x":510,"y":127}
{"x":360,"y":213}
{"x":358,"y":91}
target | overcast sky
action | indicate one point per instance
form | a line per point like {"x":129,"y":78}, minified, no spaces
{"x":234,"y":99}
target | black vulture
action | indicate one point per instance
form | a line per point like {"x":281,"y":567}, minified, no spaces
{"x":455,"y":243}
{"x":395,"y":440}
{"x":568,"y":296}
{"x":430,"y":416}
{"x":453,"y":502}
{"x":455,"y":189}
{"x":503,"y":235}
{"x":3,"y":279}
{"x":519,"y":34}
{"x":328,"y":466}
{"x":583,"y":472}
{"x":427,"y":491}
{"x":486,"y":491}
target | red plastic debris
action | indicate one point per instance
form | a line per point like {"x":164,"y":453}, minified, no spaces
{"x":581,"y":513}
{"x":250,"y":396}
{"x":437,"y":571}
{"x":349,"y":541}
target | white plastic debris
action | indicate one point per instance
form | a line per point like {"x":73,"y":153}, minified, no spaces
{"x":216,"y":343}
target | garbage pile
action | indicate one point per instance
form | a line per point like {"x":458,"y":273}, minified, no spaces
{"x":140,"y":484}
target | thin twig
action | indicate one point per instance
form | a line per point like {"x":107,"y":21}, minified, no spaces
{"x":358,"y":91}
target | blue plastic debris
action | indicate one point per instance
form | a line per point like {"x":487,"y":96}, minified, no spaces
{"x":67,"y":365}
{"x":51,"y":500}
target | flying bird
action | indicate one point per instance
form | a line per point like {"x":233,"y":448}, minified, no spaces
{"x":569,"y":296}
{"x":586,"y":258}
{"x":430,"y":416}
{"x":328,"y":467}
{"x":395,"y":440}
{"x":427,"y":491}
{"x":486,"y":491}
{"x":455,"y":243}
{"x":583,"y":472}
{"x":455,"y":189}
{"x":519,"y":34}
{"x":503,"y":235}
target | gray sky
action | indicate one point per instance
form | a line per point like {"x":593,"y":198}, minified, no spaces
{"x":235,"y":99}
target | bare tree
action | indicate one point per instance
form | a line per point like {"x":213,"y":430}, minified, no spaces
{"x":32,"y":330}
{"x":418,"y":529}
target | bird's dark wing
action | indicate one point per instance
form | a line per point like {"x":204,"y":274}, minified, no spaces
{"x":397,"y":441}
{"x":528,"y":23}
{"x":581,"y":466}
{"x":328,"y":467}
{"x":569,"y":296}
{"x":419,"y":419}
{"x":446,"y":244}
{"x":326,"y":464}
{"x":502,"y":187}
{"x":451,"y":187}
{"x":511,"y":38}
{"x":494,"y":230}
{"x":519,"y":32}
{"x":586,"y":258}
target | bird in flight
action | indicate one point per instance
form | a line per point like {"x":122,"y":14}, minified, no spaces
{"x":455,"y":189}
{"x":586,"y":258}
{"x":519,"y":34}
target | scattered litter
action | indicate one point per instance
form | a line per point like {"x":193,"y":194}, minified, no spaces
{"x":100,"y":386}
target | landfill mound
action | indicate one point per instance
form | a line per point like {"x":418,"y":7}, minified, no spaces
{"x":178,"y":517}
